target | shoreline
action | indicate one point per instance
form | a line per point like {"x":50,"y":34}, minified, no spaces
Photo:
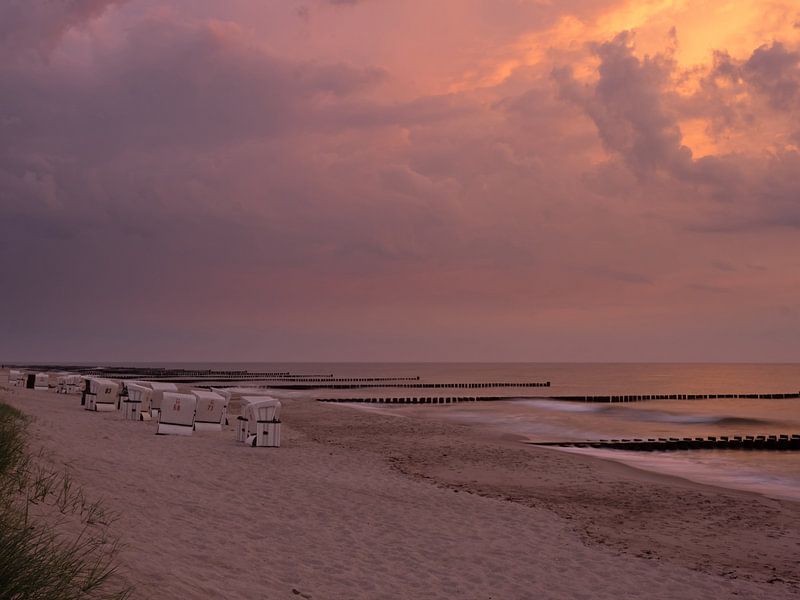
{"x":600,"y":460}
{"x":357,"y":504}
{"x":659,"y":495}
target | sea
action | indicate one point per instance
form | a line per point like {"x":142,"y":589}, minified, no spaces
{"x":533,"y":415}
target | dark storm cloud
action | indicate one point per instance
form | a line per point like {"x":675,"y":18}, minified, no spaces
{"x":169,"y":84}
{"x":36,"y":26}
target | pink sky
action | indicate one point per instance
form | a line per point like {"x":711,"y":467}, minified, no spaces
{"x":486,"y":180}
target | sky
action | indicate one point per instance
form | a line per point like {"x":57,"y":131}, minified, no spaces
{"x":400,"y":180}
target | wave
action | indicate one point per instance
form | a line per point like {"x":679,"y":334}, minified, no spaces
{"x":665,"y":417}
{"x":644,"y":415}
{"x":558,"y":406}
{"x":715,"y":468}
{"x":743,"y":421}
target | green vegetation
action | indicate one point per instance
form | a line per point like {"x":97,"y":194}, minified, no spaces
{"x":54,"y":543}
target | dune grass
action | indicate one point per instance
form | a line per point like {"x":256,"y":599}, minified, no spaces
{"x":54,"y":543}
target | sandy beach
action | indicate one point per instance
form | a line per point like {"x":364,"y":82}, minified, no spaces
{"x":360,"y":504}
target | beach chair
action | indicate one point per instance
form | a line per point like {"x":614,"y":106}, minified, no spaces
{"x":234,"y":395}
{"x":246,"y":421}
{"x":210,"y":412}
{"x":15,"y":378}
{"x":102,"y":395}
{"x":137,"y":404}
{"x":84,"y":390}
{"x":263,"y":426}
{"x":61,"y":384}
{"x":176,"y":415}
{"x":41,"y":382}
{"x":226,"y":397}
{"x":74,"y":384}
{"x":55,"y":381}
{"x":241,"y":420}
{"x":235,"y":402}
{"x":159,"y":388}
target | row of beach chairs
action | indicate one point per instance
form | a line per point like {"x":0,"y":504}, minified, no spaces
{"x":176,"y":412}
{"x":63,"y":383}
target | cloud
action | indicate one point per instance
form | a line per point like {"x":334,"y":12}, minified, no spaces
{"x":168,"y":83}
{"x":627,"y":106}
{"x":637,"y":113}
{"x":775,"y":72}
{"x":635,"y":278}
{"x":37,"y":25}
{"x":207,"y":176}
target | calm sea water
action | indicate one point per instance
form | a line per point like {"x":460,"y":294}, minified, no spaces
{"x":775,"y":474}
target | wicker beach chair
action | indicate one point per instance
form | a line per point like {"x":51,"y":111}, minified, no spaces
{"x":263,"y":425}
{"x":211,"y":411}
{"x":176,"y":416}
{"x":102,"y":395}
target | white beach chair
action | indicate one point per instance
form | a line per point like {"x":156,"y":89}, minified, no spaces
{"x":241,"y":420}
{"x":15,"y":378}
{"x":85,"y":385}
{"x":245,"y":422}
{"x":55,"y":381}
{"x":210,"y":412}
{"x":158,"y":387}
{"x":137,"y":405}
{"x":102,"y":395}
{"x":72,"y":384}
{"x":61,"y":382}
{"x":176,"y":416}
{"x":235,"y":397}
{"x":263,"y":427}
{"x":226,"y":396}
{"x":42,"y":382}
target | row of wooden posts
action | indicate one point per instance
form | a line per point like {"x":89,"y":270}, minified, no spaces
{"x":598,"y":399}
{"x":148,"y":372}
{"x":415,"y":400}
{"x":723,"y":442}
{"x":189,"y":375}
{"x":641,"y":397}
{"x":443,"y":386}
{"x":332,"y":379}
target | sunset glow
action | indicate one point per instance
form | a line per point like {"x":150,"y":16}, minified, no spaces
{"x":400,"y":180}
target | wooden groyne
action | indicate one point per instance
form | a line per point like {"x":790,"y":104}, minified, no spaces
{"x":267,"y":382}
{"x":722,"y":442}
{"x":599,"y":399}
{"x":332,"y":379}
{"x":191,"y":375}
{"x":422,"y":400}
{"x":153,"y":373}
{"x":443,"y":386}
{"x":642,"y":397}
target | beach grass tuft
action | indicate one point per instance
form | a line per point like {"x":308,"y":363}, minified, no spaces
{"x":55,"y":544}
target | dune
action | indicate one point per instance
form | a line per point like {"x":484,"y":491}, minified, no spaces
{"x":363,"y":505}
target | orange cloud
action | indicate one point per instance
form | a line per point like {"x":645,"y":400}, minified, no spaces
{"x":689,"y":33}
